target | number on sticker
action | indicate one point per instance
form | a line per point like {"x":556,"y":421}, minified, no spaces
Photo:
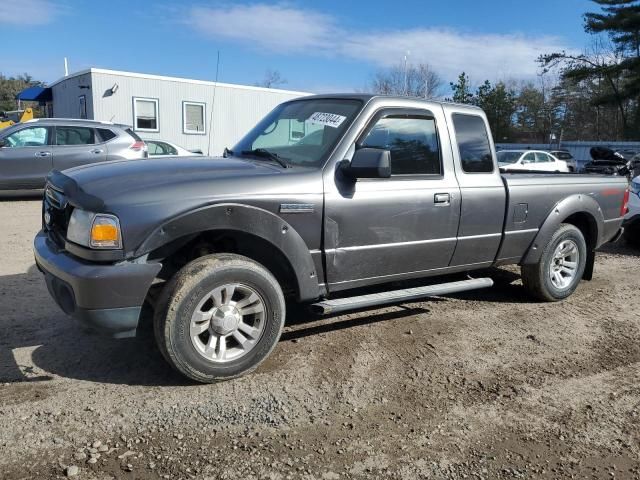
{"x":329,"y":119}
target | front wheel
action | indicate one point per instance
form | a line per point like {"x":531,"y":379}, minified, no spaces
{"x":219,"y":317}
{"x":560,"y":268}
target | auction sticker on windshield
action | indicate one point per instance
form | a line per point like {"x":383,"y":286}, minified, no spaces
{"x":329,"y":119}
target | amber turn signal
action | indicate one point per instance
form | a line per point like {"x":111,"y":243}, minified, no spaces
{"x":105,"y":232}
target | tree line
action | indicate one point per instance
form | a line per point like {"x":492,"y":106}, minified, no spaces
{"x":11,"y":86}
{"x":591,"y":96}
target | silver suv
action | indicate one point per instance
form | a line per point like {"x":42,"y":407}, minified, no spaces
{"x":28,"y":151}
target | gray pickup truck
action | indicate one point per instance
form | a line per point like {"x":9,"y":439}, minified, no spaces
{"x":325,"y":195}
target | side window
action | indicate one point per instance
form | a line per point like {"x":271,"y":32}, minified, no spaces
{"x":169,"y":150}
{"x":154,"y":148}
{"x":106,"y":134}
{"x":412,"y":141}
{"x":542,"y":157}
{"x":75,"y":136}
{"x":473,"y":143}
{"x":28,"y":137}
{"x":529,"y":158}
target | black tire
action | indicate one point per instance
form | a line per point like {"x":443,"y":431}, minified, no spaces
{"x":536,"y":278}
{"x":191,"y":285}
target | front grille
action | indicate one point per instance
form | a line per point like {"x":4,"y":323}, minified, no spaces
{"x":56,"y":213}
{"x":55,"y":197}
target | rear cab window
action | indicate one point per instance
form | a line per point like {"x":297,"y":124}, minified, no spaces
{"x":473,"y":143}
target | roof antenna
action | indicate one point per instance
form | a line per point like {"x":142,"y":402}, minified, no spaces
{"x":213,"y":104}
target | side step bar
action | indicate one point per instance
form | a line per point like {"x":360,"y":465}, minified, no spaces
{"x":363,"y":301}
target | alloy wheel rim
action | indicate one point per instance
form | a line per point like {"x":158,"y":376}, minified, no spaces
{"x":227,"y":323}
{"x":563,"y":267}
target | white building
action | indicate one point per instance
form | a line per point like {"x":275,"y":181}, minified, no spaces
{"x":196,"y":114}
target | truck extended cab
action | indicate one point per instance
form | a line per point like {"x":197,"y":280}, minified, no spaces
{"x":326,"y":194}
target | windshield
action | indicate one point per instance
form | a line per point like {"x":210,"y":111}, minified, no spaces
{"x":508,"y":157}
{"x":300,"y":133}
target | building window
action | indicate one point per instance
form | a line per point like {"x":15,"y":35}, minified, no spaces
{"x":83,"y":106}
{"x":145,"y":114}
{"x":194,"y":117}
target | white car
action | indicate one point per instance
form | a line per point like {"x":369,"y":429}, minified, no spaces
{"x":537,"y":160}
{"x":632,"y":218}
{"x":160,"y":148}
{"x":565,"y":156}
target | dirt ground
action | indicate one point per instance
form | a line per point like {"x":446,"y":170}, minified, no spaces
{"x":483,"y":385}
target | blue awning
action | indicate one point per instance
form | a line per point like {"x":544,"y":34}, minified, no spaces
{"x":35,"y":94}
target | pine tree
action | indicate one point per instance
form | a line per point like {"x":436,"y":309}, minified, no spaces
{"x":461,"y":90}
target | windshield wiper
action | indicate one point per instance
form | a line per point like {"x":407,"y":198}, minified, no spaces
{"x":264,"y":153}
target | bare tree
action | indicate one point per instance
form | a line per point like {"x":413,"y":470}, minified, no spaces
{"x":272,"y":79}
{"x":413,"y":81}
{"x":599,"y":69}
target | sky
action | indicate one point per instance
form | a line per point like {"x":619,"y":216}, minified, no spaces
{"x":333,"y":45}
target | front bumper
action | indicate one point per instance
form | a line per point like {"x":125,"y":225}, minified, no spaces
{"x":106,"y":297}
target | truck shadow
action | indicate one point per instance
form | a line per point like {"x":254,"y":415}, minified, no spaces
{"x":620,"y":248}
{"x":301,"y":316}
{"x":40,"y":343}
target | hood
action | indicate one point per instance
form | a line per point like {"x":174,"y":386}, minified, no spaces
{"x":149,"y":180}
{"x":146,"y":193}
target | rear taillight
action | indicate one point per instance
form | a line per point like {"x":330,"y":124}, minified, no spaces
{"x":624,"y":208}
{"x":138,"y":146}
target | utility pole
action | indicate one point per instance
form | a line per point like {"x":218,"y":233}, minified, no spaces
{"x":406,"y":76}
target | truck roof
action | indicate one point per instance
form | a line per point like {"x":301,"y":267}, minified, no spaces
{"x":367,"y":97}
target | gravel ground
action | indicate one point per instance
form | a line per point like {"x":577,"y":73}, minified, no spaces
{"x":483,"y":385}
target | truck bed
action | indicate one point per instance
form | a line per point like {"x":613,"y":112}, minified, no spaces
{"x":524,"y":218}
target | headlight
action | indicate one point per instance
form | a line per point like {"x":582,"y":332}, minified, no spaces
{"x":94,"y":230}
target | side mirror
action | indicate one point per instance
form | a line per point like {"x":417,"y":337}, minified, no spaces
{"x":369,"y":163}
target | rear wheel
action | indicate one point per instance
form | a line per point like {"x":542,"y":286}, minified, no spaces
{"x":219,"y":317}
{"x":560,"y":268}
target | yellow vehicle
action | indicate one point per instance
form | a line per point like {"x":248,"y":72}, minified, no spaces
{"x":19,"y":115}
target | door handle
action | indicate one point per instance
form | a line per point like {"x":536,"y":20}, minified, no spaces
{"x":96,"y":151}
{"x":442,"y":199}
{"x":43,"y":154}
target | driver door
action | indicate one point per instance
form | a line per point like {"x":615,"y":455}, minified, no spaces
{"x":383,"y":229}
{"x":25,"y":158}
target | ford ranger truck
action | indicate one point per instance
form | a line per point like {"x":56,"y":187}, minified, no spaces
{"x":325,"y":195}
